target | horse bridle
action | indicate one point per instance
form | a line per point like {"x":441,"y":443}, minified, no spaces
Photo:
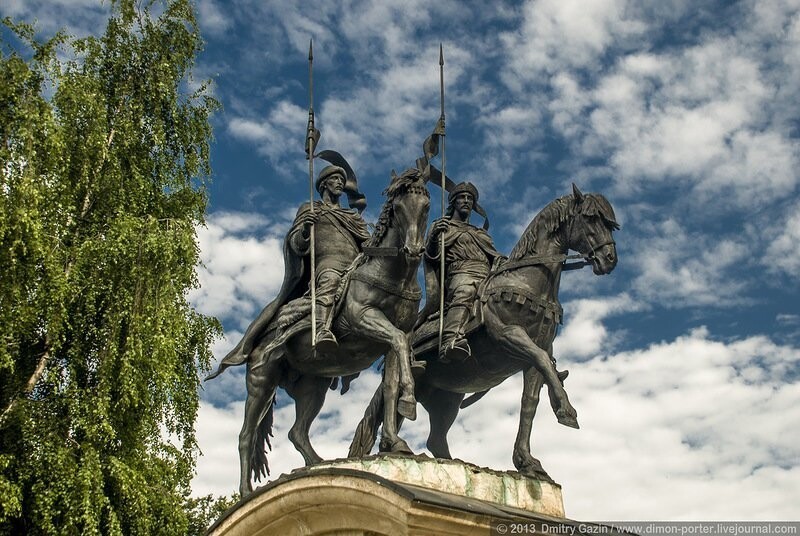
{"x":587,"y":258}
{"x":381,"y":251}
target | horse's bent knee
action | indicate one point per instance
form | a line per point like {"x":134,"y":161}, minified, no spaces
{"x":400,"y":344}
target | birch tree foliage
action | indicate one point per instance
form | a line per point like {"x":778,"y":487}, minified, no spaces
{"x":103,"y":164}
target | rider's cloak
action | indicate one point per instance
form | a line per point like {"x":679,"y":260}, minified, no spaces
{"x":431,"y":264}
{"x":295,"y":276}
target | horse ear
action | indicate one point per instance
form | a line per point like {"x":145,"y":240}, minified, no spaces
{"x":577,"y":193}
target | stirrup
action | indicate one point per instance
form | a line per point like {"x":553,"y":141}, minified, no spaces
{"x":456,"y":351}
{"x":417,"y":368}
{"x":326,"y":342}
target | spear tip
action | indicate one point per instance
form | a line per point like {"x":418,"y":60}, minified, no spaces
{"x":441,"y":55}
{"x":311,"y":49}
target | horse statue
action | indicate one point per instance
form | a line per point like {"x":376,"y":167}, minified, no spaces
{"x":374,"y":317}
{"x":516,"y":314}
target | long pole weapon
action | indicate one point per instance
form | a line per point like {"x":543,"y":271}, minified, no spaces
{"x":444,"y":174}
{"x":311,"y":139}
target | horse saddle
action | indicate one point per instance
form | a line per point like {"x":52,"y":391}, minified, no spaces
{"x":426,"y":336}
{"x":295,"y":315}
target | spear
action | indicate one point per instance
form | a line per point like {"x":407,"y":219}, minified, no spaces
{"x":312,"y":137}
{"x":444,"y":174}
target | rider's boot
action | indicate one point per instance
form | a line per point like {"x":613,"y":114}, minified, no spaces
{"x":326,"y":341}
{"x":454,"y":345}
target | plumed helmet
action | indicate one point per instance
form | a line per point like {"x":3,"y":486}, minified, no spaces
{"x":461,"y":188}
{"x":327,"y":172}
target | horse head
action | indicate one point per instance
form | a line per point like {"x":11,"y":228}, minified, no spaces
{"x":583,"y":223}
{"x":405,"y":211}
{"x":590,"y":230}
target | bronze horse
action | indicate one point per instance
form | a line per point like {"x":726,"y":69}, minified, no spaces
{"x":374,"y":318}
{"x":519,"y":307}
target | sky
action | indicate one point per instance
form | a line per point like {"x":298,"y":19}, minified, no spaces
{"x":684,"y":362}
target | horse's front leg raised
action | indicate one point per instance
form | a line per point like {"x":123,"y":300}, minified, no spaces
{"x":374,"y":325}
{"x":523,"y":459}
{"x":518,"y":345}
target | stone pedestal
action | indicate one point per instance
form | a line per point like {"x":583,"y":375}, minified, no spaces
{"x":393,"y":496}
{"x":465,"y":480}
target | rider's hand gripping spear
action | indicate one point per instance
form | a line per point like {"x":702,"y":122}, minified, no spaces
{"x":312,"y":137}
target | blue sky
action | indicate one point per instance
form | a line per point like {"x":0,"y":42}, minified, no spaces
{"x":685,"y":361}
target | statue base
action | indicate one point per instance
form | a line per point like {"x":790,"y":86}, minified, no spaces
{"x":394,"y":495}
{"x":466,"y":480}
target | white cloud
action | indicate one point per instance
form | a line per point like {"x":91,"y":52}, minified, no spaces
{"x":77,"y":17}
{"x":382,"y":120}
{"x":212,"y":18}
{"x":584,"y":335}
{"x":694,"y":419}
{"x":555,"y":35}
{"x":379,"y":119}
{"x":677,"y":267}
{"x":783,"y":254}
{"x":279,"y":136}
{"x":698,"y":117}
{"x":242,"y":265}
{"x":712,"y":118}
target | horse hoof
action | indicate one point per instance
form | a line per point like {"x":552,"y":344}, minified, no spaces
{"x":562,"y":375}
{"x":531,"y":467}
{"x":407,"y":407}
{"x":536,"y":472}
{"x":399,"y":446}
{"x":567,"y":420}
{"x":417,"y":368}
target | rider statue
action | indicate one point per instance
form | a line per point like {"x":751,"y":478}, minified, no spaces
{"x":338,"y":237}
{"x":469,"y":255}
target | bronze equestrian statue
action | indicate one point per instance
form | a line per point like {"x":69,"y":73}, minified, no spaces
{"x":377,"y":296}
{"x":513,"y":325}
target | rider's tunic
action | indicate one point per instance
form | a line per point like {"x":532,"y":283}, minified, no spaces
{"x":469,"y":252}
{"x":338,"y":236}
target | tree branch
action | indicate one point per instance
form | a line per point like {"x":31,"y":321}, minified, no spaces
{"x":30,"y":385}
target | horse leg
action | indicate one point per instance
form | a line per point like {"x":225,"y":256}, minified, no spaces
{"x":390,"y":441}
{"x":407,"y":404}
{"x":262,"y":381}
{"x":374,"y":325}
{"x":519,"y":345}
{"x":308,"y":393}
{"x":442,"y":408}
{"x":523,"y":459}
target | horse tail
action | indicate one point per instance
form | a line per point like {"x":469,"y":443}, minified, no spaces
{"x":367,"y":429}
{"x":261,"y":444}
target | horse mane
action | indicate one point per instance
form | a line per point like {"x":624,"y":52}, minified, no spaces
{"x":555,"y":214}
{"x":408,"y":181}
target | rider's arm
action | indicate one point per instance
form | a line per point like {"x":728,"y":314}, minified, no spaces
{"x":434,"y":242}
{"x":299,"y":237}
